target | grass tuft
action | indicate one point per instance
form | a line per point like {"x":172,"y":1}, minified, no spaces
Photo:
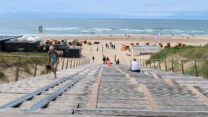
{"x":188,"y":52}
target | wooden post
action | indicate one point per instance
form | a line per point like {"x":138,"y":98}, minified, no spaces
{"x":196,"y":71}
{"x":79,"y":61}
{"x":172,"y":66}
{"x":71,"y":60}
{"x":159,"y":65}
{"x":154,"y":64}
{"x":63,"y":65}
{"x":150,"y":64}
{"x":166,"y":67}
{"x":74,"y":62}
{"x":36,"y":64}
{"x":143,"y":63}
{"x":17,"y":72}
{"x":182,"y":67}
{"x":67,"y":64}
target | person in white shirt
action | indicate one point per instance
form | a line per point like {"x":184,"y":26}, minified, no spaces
{"x":134,"y":67}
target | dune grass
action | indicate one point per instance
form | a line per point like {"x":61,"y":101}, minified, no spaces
{"x":12,"y":61}
{"x":3,"y":76}
{"x":43,"y":54}
{"x":26,"y":64}
{"x":188,"y":52}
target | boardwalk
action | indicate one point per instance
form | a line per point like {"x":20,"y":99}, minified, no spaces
{"x":98,"y":90}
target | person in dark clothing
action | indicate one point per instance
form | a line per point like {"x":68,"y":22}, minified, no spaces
{"x":93,"y":58}
{"x":117,"y":62}
{"x":104,"y":59}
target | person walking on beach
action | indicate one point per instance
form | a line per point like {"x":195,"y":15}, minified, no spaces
{"x":93,"y":58}
{"x":134,"y":67}
{"x":53,"y":59}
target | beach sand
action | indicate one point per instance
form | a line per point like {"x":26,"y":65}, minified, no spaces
{"x":119,"y":40}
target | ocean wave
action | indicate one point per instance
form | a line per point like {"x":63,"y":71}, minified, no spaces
{"x":198,"y":31}
{"x":136,"y":30}
{"x":101,"y":29}
{"x":61,"y":29}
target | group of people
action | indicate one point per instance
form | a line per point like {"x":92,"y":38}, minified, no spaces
{"x":107,"y":61}
{"x":110,"y":45}
{"x":53,"y":61}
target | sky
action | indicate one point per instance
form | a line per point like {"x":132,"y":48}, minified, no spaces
{"x":136,"y":9}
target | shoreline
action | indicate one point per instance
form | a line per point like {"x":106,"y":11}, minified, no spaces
{"x":74,"y":35}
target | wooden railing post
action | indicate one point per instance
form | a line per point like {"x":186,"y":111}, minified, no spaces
{"x":150,"y":64}
{"x":36,"y":64}
{"x":67,"y":64}
{"x":172,"y":66}
{"x":143,"y":63}
{"x":196,"y":71}
{"x":17,"y":72}
{"x":159,"y":65}
{"x":166,"y":67}
{"x":63,"y":64}
{"x":79,"y":61}
{"x":74,"y":62}
{"x":154,"y":64}
{"x":182,"y":68}
{"x":71,"y":61}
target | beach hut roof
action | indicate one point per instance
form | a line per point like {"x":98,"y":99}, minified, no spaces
{"x":7,"y":38}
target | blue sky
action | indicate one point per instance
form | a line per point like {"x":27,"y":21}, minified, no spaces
{"x":141,"y":9}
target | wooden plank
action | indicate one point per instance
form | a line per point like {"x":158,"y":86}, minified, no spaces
{"x":155,"y":76}
{"x":146,"y":73}
{"x":93,"y":100}
{"x":133,"y":80}
{"x":152,"y":104}
{"x":169,"y":81}
{"x":198,"y":94}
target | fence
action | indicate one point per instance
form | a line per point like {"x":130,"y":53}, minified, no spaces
{"x":174,"y":65}
{"x":34,"y":64}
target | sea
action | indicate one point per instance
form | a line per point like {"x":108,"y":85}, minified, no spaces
{"x":29,"y":26}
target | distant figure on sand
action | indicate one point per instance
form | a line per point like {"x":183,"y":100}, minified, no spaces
{"x":93,"y":58}
{"x":117,"y":62}
{"x":134,"y":67}
{"x":104,"y":59}
{"x":53,"y":59}
{"x":129,"y":36}
{"x":108,"y":62}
